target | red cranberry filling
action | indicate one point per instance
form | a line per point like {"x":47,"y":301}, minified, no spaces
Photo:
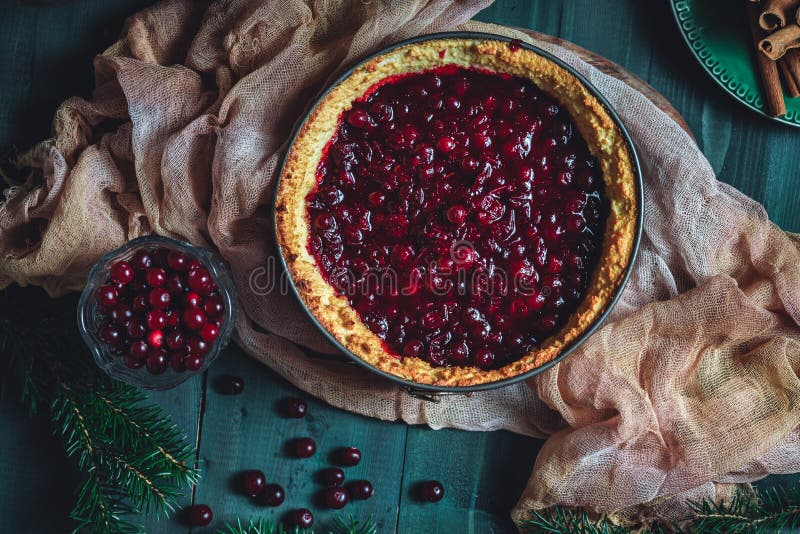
{"x":460,"y":213}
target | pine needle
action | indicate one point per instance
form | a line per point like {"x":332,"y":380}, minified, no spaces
{"x":132,"y":457}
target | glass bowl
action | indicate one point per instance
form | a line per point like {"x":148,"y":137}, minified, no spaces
{"x":90,"y":318}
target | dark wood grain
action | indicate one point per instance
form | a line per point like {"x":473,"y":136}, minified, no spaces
{"x":612,"y":69}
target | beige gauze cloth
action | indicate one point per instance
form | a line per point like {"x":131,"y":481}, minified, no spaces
{"x":690,"y":385}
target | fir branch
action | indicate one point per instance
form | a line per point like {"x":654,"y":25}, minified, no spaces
{"x":771,"y":510}
{"x":353,"y":526}
{"x":262,"y":526}
{"x":565,"y":520}
{"x":133,"y":457}
{"x":147,"y":427}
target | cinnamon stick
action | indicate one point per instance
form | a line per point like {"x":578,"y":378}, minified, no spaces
{"x":792,"y":62}
{"x":768,"y":69}
{"x":776,"y":13}
{"x":788,"y":79}
{"x":775,"y":45}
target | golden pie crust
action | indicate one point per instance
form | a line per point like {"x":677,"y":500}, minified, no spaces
{"x":602,"y":135}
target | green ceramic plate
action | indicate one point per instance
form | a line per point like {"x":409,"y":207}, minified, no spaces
{"x":718,"y":36}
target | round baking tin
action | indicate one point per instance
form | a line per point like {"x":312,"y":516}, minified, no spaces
{"x":432,"y":391}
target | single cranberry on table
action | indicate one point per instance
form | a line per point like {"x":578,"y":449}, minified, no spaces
{"x":293,"y":407}
{"x":332,"y":476}
{"x":272,"y":495}
{"x":302,"y":518}
{"x":349,"y":456}
{"x":335,"y":497}
{"x":229,"y":384}
{"x":303,"y":447}
{"x":253,"y":482}
{"x":431,"y":491}
{"x":360,"y":489}
{"x":200,"y":515}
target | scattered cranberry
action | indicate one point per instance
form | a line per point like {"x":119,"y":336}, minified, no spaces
{"x":230,"y":385}
{"x":304,"y":447}
{"x":349,"y":456}
{"x":332,"y":476}
{"x":121,"y":272}
{"x":335,"y":497}
{"x":432,"y":491}
{"x":360,"y":489}
{"x":200,"y":515}
{"x":301,"y":518}
{"x":272,"y":495}
{"x":294,"y":408}
{"x":253,"y":482}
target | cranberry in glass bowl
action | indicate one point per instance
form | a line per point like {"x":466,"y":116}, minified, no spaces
{"x":157,"y":311}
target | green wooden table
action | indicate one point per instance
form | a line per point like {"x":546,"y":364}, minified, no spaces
{"x":47,"y":48}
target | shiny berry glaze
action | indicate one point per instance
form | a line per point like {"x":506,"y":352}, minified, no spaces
{"x":460,"y":213}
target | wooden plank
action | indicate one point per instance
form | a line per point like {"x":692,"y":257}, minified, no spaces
{"x":543,"y":17}
{"x":36,"y":482}
{"x":183,"y":404}
{"x":246,"y":432}
{"x":48,"y":50}
{"x":483,"y":474}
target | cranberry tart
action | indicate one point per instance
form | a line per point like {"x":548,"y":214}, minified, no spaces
{"x":458,"y":211}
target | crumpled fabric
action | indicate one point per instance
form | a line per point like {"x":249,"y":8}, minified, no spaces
{"x":690,"y":386}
